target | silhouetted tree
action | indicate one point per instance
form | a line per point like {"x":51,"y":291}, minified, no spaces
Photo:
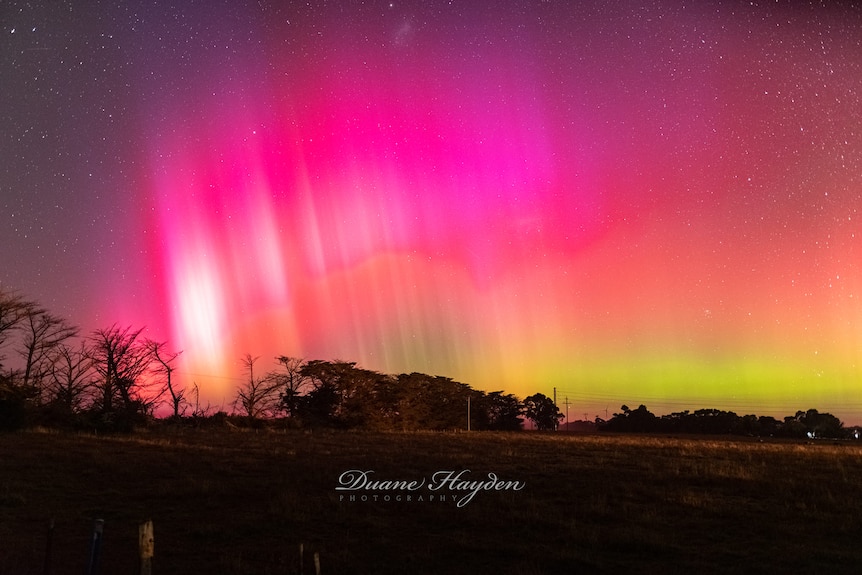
{"x":412,"y":396}
{"x":542,"y":411}
{"x":367,"y":404}
{"x":200,"y":411}
{"x":748,"y":425}
{"x":15,"y":401}
{"x":448,"y":403}
{"x":676,"y":422}
{"x":121,"y":358}
{"x":316,"y":408}
{"x":43,"y":333}
{"x":164,"y":369}
{"x":70,"y":378}
{"x":13,"y":310}
{"x":792,"y":427}
{"x":291,"y":382}
{"x":354,"y":397}
{"x":638,"y":420}
{"x":768,"y":425}
{"x":821,"y":424}
{"x":258,"y":396}
{"x":431,"y":402}
{"x":330,"y":381}
{"x":713,"y":421}
{"x":503,"y":411}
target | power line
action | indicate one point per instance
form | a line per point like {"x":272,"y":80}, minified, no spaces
{"x":747,"y":403}
{"x":209,"y":376}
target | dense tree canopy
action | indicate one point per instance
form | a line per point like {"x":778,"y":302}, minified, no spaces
{"x":542,"y":410}
{"x":811,"y":423}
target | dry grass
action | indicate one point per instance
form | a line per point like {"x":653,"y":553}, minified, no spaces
{"x":237,"y":502}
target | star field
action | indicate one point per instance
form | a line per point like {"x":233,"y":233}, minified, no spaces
{"x":651,"y":202}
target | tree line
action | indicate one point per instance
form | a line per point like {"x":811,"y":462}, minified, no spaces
{"x":810,"y":423}
{"x":114,"y":378}
{"x":340,"y":394}
{"x":111,"y":378}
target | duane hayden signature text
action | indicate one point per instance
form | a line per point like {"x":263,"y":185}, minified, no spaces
{"x":457,"y":484}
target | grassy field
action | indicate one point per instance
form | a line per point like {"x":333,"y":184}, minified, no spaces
{"x":242,"y":502}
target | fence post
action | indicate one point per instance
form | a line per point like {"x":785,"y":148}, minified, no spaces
{"x":301,"y":555}
{"x":46,"y":569}
{"x":96,"y":547}
{"x":146,"y":544}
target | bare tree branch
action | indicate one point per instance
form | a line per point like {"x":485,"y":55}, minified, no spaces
{"x":258,"y":397}
{"x":121,"y":360}
{"x":291,"y":382}
{"x":43,"y":334}
{"x":13,"y":310}
{"x":164,"y":368}
{"x":71,"y":377}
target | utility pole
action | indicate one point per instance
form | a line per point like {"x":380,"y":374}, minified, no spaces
{"x":567,"y":404}
{"x":556,"y":421}
{"x":468,"y":413}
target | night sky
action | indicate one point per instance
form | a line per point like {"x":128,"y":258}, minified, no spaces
{"x":633,"y":202}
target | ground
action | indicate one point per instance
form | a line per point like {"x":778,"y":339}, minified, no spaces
{"x":258,"y":502}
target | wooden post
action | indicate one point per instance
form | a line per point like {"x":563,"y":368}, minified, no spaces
{"x":96,"y":547}
{"x":301,"y":557}
{"x":146,"y":546}
{"x":316,"y":563}
{"x":46,"y":569}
